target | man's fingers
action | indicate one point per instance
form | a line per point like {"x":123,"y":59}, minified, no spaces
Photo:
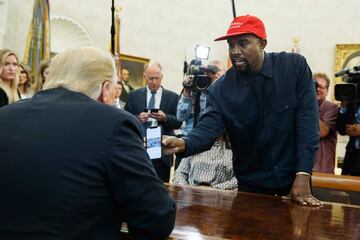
{"x":169,"y":151}
{"x":306,"y":200}
{"x":299,"y":200}
{"x":166,"y":141}
{"x":311,"y":200}
{"x":287,"y":197}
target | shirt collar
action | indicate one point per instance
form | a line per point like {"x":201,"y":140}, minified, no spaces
{"x":159,"y":91}
{"x":267,"y":69}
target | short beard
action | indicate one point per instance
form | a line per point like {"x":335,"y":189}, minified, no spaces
{"x":244,"y":69}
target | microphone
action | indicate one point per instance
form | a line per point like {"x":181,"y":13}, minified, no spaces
{"x":342,"y":72}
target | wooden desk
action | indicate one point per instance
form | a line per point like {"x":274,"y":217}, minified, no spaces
{"x":214,"y":214}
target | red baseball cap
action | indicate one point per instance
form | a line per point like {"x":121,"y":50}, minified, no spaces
{"x":243,"y":25}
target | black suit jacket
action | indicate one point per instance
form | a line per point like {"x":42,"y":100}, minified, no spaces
{"x":136,"y":103}
{"x":3,"y":98}
{"x":73,"y":168}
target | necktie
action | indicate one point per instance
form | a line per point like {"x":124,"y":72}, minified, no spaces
{"x":152,"y":101}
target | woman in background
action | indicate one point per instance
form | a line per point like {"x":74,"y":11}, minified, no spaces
{"x":9,"y":77}
{"x":213,"y":168}
{"x":42,"y":74}
{"x":25,"y":82}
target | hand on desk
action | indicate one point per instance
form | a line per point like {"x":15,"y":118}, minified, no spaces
{"x":301,"y":193}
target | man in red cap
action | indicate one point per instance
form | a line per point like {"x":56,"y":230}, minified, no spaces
{"x":270,"y":112}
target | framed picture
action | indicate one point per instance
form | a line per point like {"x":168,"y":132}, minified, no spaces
{"x":346,"y":56}
{"x":135,"y":65}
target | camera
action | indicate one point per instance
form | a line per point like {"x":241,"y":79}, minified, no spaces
{"x":199,"y":80}
{"x":350,"y":90}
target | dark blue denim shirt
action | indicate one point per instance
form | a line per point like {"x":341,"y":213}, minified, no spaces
{"x":271,"y":118}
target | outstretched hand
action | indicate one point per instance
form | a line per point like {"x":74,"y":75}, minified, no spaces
{"x":301,"y":193}
{"x":173,"y":145}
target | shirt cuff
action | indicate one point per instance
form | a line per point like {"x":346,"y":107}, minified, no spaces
{"x":303,"y":173}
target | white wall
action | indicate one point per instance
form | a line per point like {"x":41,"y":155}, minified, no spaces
{"x":163,"y":29}
{"x":3,"y":18}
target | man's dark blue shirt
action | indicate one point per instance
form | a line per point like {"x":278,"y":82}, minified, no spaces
{"x":271,"y":117}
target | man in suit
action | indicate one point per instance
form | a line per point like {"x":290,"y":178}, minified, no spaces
{"x":72,"y":167}
{"x":153,"y":96}
{"x":127,"y":88}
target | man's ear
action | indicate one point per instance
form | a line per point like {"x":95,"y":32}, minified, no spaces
{"x":263,"y":43}
{"x":106,"y":95}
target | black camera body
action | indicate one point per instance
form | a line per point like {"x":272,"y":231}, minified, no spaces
{"x":199,"y":80}
{"x":350,"y":90}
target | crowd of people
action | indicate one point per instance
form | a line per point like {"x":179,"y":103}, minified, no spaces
{"x":261,"y":126}
{"x":17,"y":80}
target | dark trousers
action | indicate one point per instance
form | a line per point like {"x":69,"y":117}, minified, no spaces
{"x":162,"y":170}
{"x":351,"y":165}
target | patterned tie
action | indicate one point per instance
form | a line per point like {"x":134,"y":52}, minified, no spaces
{"x":152,"y":101}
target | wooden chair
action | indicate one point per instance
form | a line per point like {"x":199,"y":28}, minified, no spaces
{"x":336,"y":188}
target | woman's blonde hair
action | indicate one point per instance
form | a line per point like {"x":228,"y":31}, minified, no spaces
{"x":82,"y":70}
{"x":12,"y":92}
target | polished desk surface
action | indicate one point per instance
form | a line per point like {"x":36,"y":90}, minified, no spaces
{"x":205,"y":213}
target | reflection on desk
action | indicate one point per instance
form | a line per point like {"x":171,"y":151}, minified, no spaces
{"x":205,"y":213}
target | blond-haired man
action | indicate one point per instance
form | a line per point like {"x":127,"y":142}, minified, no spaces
{"x":74,"y":168}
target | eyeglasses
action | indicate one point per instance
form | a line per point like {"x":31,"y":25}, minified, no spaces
{"x":322,"y":87}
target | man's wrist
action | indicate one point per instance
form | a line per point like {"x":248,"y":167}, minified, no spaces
{"x":186,"y":93}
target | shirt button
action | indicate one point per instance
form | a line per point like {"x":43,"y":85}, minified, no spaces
{"x":286,"y":106}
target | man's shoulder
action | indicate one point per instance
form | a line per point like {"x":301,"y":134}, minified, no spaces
{"x":137,"y":92}
{"x":329,"y":105}
{"x":285,"y":56}
{"x":224,"y":82}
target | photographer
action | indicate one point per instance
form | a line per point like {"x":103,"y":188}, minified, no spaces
{"x":325,"y":157}
{"x":186,"y":105}
{"x":348,"y":118}
{"x":347,"y":123}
